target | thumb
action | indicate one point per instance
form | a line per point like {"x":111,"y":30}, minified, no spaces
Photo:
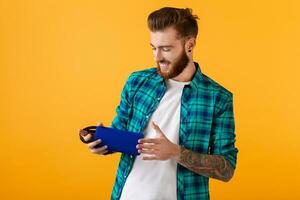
{"x":100,"y":124}
{"x":157,"y":130}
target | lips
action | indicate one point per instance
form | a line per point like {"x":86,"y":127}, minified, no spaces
{"x":164,"y":66}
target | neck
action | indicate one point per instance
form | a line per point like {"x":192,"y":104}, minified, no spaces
{"x":187,"y":74}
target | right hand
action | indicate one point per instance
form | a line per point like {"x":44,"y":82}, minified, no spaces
{"x":91,"y":145}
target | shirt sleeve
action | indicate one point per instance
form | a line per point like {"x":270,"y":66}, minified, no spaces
{"x":124,"y":108}
{"x":223,"y":132}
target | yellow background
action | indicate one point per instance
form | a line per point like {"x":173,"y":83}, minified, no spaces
{"x":64,"y":63}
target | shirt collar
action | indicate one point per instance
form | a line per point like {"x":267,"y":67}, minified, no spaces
{"x":197,"y":78}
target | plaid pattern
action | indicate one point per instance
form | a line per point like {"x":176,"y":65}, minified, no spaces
{"x":206,"y":124}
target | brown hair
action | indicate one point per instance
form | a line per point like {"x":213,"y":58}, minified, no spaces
{"x":181,"y":19}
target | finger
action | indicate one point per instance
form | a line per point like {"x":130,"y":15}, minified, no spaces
{"x":87,"y":137}
{"x":99,"y":150}
{"x":147,"y":151}
{"x":153,"y":157}
{"x":100,"y":124}
{"x":149,"y":140}
{"x":83,"y":132}
{"x":145,"y":146}
{"x":91,"y":145}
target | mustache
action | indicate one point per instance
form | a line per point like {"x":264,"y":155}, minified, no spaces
{"x":163,"y":61}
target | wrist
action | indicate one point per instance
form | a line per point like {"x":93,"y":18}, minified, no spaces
{"x":176,"y":152}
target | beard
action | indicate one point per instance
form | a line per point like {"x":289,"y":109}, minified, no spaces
{"x":174,"y":69}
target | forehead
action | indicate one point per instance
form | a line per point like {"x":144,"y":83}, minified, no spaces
{"x":166,"y":37}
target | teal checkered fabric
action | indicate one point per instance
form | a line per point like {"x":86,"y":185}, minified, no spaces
{"x":206,"y":124}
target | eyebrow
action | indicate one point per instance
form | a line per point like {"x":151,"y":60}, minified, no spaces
{"x":162,"y":46}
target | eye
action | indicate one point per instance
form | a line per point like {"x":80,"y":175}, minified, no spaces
{"x":166,"y":49}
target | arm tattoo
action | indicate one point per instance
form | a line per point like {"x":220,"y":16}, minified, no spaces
{"x":212,"y":166}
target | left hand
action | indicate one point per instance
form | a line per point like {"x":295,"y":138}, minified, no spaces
{"x":160,"y":148}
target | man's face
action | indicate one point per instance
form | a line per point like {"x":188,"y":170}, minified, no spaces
{"x":169,"y":53}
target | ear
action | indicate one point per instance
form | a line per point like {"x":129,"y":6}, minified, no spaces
{"x":190,"y":44}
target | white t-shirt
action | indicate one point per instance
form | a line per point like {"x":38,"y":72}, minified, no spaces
{"x":155,"y":179}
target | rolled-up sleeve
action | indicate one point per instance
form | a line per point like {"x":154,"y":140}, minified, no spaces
{"x":223,"y":131}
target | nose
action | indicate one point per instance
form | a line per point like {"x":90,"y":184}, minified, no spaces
{"x":157,"y":55}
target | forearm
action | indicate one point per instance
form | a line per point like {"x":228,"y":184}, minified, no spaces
{"x":212,"y":166}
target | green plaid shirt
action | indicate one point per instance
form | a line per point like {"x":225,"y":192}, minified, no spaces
{"x":206,"y":124}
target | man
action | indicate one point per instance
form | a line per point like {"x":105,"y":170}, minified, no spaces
{"x":186,"y":117}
